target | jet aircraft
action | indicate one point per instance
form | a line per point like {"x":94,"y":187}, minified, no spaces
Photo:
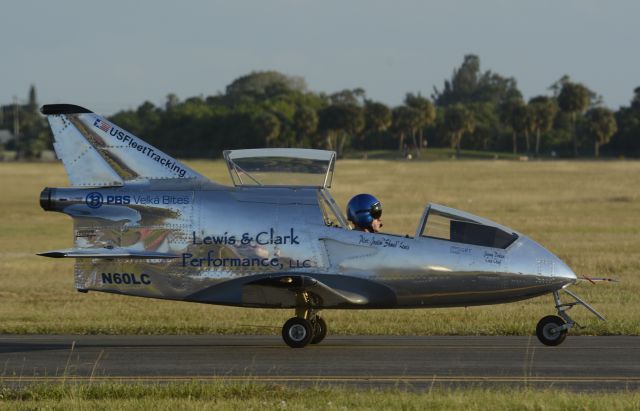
{"x":145,"y":224}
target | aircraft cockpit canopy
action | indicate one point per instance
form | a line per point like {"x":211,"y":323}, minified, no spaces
{"x":457,"y":226}
{"x":281,"y":167}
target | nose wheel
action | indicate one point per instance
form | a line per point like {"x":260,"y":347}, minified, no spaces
{"x":552,"y":329}
{"x":298,"y":332}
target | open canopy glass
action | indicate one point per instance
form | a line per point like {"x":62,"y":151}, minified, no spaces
{"x":281,"y":167}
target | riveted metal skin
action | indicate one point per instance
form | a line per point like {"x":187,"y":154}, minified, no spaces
{"x":145,"y":224}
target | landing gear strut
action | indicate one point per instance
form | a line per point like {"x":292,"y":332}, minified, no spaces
{"x":552,"y":329}
{"x":307,"y":327}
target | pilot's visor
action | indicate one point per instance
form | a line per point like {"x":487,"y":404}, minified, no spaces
{"x":376,"y":210}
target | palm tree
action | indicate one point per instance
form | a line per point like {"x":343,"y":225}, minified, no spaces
{"x":427,"y":113}
{"x":508,"y":112}
{"x":573,"y":99}
{"x":338,"y":122}
{"x":522,"y":123}
{"x":377,"y":117}
{"x":543,"y":111}
{"x":601,"y":124}
{"x":458,"y":120}
{"x":405,"y":120}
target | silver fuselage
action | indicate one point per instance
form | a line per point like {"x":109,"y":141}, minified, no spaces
{"x":222,"y":245}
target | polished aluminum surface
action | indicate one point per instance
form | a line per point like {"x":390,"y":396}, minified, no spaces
{"x":147,"y":225}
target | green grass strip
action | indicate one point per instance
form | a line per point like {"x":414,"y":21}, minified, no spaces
{"x":268,"y":396}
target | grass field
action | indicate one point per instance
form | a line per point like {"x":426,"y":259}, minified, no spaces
{"x":267,"y":397}
{"x":586,"y":212}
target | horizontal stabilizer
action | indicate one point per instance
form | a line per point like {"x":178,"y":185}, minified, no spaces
{"x":98,"y":153}
{"x":104,"y":253}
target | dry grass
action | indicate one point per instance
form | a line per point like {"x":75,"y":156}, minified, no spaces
{"x":190,"y":396}
{"x":586,"y":212}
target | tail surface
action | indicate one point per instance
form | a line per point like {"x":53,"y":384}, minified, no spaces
{"x":98,"y":153}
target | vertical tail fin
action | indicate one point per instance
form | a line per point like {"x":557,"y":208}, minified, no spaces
{"x":96,"y":152}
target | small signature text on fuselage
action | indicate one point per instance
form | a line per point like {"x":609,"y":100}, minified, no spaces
{"x":383,"y":242}
{"x":493,"y":257}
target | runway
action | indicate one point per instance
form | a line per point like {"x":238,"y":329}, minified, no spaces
{"x":581,"y":363}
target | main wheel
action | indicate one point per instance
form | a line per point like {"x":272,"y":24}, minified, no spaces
{"x":545,"y":330}
{"x":319,"y":330}
{"x":297,"y":332}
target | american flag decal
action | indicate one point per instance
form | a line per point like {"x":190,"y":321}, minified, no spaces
{"x":104,"y":126}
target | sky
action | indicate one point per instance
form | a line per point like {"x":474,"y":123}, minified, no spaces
{"x":111,"y":56}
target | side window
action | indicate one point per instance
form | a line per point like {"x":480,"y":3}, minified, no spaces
{"x":461,"y":230}
{"x":437,"y":226}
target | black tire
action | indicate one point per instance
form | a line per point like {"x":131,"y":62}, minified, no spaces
{"x":297,"y":332}
{"x":544,"y":327}
{"x":319,"y":330}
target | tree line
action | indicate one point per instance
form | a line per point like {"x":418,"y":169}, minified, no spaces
{"x":473,"y":110}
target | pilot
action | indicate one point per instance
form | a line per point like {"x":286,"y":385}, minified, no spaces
{"x":365,"y":211}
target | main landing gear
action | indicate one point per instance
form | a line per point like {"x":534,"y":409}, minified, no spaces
{"x":552,"y":329}
{"x":307,"y":327}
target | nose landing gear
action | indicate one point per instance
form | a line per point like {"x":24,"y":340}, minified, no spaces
{"x":552,"y":329}
{"x":307,"y":327}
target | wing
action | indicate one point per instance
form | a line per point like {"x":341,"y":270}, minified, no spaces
{"x":285,"y":290}
{"x":110,"y":253}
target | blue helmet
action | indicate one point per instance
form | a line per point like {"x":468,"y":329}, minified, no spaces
{"x":363,"y":209}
